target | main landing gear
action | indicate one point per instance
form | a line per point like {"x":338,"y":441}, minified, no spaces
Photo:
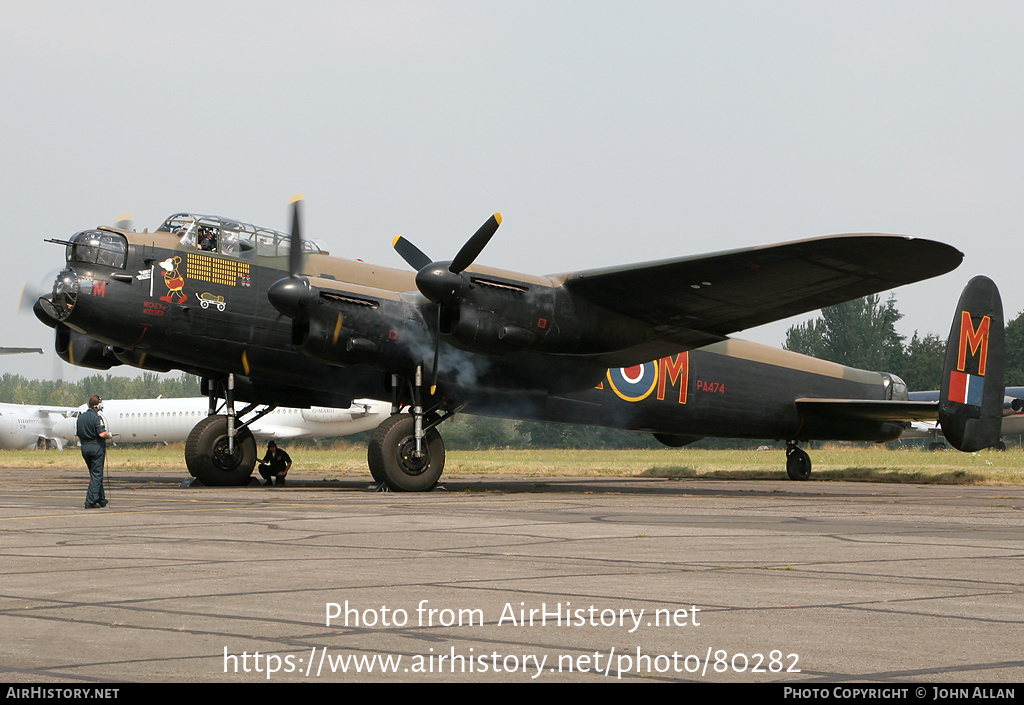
{"x":406,"y":453}
{"x":214,"y":460}
{"x":798,"y":463}
{"x":394,"y":460}
{"x":220,"y":451}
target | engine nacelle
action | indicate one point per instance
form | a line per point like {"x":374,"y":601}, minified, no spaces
{"x":500,"y":317}
{"x":323,"y":414}
{"x":385,"y":333}
{"x":470,"y":328}
{"x":141,"y":360}
{"x":78,"y":349}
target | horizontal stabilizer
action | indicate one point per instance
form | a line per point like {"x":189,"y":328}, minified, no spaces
{"x":869,"y":409}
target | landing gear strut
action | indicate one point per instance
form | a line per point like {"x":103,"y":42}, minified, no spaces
{"x":798,"y":463}
{"x":214,"y":459}
{"x":394,"y":460}
{"x":406,"y":453}
{"x":219,"y":451}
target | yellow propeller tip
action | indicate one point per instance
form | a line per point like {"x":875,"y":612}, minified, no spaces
{"x":394,"y":242}
{"x":124,"y":216}
{"x":433,"y":388}
{"x":497,"y":217}
{"x":297,"y":197}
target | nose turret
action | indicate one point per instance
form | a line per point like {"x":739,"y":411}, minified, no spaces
{"x":62,"y":300}
{"x":41,"y":313}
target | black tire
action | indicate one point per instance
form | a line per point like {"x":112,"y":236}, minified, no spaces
{"x":798,"y":464}
{"x":1000,"y":445}
{"x":207,"y":457}
{"x":938,"y":445}
{"x":375,"y":460}
{"x":390,"y":458}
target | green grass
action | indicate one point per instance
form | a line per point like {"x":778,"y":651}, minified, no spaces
{"x":831,"y":462}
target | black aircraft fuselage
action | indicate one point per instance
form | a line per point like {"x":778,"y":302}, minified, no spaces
{"x":230,"y":302}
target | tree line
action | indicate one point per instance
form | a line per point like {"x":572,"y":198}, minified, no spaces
{"x":862,"y":333}
{"x":15,"y":389}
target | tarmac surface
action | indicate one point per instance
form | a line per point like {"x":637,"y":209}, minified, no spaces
{"x":508,"y":579}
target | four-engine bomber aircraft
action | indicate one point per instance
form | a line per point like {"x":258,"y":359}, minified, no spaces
{"x":270,"y":319}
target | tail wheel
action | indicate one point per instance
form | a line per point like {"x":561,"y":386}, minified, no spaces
{"x":209,"y":458}
{"x":798,"y":464}
{"x":392,"y":458}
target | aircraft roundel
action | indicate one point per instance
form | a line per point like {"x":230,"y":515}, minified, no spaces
{"x":634,"y":383}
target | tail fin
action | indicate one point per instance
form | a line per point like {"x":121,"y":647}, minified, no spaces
{"x":971,"y":400}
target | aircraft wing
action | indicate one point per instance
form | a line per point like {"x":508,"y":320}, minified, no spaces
{"x":62,"y":410}
{"x":694,"y":301}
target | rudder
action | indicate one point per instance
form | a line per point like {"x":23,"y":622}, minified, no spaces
{"x":971,"y":399}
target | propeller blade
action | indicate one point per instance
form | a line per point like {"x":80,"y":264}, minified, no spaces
{"x":292,"y":294}
{"x":30,"y":291}
{"x":27,"y":297}
{"x":433,"y":371}
{"x":413,"y":255}
{"x":124,"y":222}
{"x":437,"y":353}
{"x":295,"y":248}
{"x":475,"y":245}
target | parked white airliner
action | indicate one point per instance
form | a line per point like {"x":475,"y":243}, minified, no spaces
{"x":24,"y":426}
{"x":170,"y":420}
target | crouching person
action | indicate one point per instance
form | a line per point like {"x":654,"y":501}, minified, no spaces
{"x":275,"y":464}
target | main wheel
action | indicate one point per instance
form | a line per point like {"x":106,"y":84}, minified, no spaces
{"x":208,"y":458}
{"x":798,"y":464}
{"x":392,"y":459}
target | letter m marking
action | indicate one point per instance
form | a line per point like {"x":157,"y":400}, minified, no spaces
{"x":976,"y":339}
{"x":675,"y":370}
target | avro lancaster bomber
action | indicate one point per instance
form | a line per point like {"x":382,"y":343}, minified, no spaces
{"x":269,"y":319}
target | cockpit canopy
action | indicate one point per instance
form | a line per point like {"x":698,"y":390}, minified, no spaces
{"x":231,"y":237}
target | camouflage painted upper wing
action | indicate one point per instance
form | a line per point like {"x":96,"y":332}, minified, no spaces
{"x":696,"y":300}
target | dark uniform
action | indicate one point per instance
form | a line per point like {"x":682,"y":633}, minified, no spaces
{"x":274,"y":462}
{"x":94,"y":450}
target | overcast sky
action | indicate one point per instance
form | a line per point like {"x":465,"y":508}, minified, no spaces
{"x":604,"y":132}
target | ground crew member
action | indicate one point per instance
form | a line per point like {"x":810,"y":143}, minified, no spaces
{"x":92,"y":436}
{"x":275,"y":464}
